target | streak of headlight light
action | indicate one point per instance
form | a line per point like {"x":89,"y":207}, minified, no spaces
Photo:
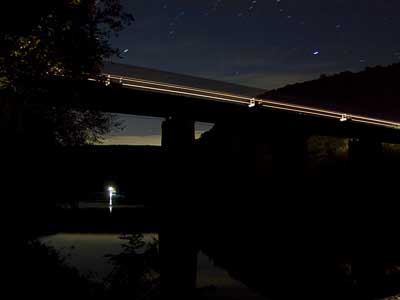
{"x":302,"y":109}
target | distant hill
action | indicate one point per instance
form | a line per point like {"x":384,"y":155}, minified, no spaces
{"x":374,"y":92}
{"x":180,"y":79}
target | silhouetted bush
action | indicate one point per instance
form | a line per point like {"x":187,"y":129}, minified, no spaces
{"x":136,"y":272}
{"x":38,"y":271}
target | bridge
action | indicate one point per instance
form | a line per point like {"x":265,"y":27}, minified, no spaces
{"x":122,"y":92}
{"x":203,"y":94}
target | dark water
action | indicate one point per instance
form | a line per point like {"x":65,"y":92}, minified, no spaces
{"x":87,"y":253}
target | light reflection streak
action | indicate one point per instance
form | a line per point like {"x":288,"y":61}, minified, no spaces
{"x":227,"y":97}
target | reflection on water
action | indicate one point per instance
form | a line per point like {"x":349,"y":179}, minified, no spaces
{"x":87,"y":253}
{"x":217,"y":283}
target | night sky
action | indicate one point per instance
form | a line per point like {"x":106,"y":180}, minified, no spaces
{"x":261,"y":43}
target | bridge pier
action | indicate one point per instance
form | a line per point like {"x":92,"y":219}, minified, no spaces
{"x":290,"y":153}
{"x":177,"y":134}
{"x":365,"y":154}
{"x":178,"y":250}
{"x":368,"y":223}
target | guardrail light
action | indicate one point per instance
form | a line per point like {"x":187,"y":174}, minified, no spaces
{"x":252,"y":102}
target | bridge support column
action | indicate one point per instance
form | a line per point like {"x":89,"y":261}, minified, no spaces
{"x":178,"y":248}
{"x":177,"y":134}
{"x":365,"y":154}
{"x":366,"y":194}
{"x":289,"y":153}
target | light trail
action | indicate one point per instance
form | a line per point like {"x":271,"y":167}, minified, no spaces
{"x":246,"y":100}
{"x":180,"y":87}
{"x":184,"y":93}
{"x":227,"y":97}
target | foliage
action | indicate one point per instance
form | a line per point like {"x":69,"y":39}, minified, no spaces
{"x":44,"y":39}
{"x":136,"y":270}
{"x":392,"y":150}
{"x":38,"y":271}
{"x":325,"y":150}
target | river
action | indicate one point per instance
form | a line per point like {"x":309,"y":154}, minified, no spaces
{"x":87,"y":253}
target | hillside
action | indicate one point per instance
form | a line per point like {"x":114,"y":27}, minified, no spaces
{"x":374,"y":92}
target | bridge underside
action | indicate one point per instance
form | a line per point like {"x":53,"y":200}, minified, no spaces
{"x":115,"y":99}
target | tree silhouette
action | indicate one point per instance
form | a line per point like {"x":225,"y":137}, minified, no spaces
{"x":40,"y":40}
{"x":136,"y":270}
{"x":39,"y":271}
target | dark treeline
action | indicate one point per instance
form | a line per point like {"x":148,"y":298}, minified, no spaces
{"x":373,"y":92}
{"x":41,"y":181}
{"x":85,"y":172}
{"x":133,"y":170}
